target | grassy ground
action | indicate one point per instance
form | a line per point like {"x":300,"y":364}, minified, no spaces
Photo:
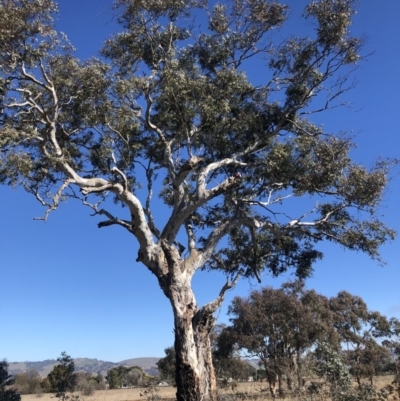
{"x":168,"y":393}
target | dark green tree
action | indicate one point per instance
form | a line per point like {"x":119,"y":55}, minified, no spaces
{"x":63,"y":378}
{"x":113,"y":379}
{"x":166,"y":365}
{"x":172,"y":109}
{"x":7,"y":394}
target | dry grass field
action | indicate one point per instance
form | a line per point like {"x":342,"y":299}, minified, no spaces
{"x":133,"y":394}
{"x":168,"y":393}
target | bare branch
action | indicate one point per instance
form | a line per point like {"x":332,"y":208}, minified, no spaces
{"x":205,"y":313}
{"x":147,"y":209}
{"x":118,"y":133}
{"x":113,"y":220}
{"x":56,"y":199}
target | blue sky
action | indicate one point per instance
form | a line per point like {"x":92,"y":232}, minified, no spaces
{"x":66,"y":285}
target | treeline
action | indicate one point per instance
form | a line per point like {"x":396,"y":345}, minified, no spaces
{"x":305,"y":343}
{"x":63,"y":379}
{"x":30,"y":382}
{"x":297,"y":334}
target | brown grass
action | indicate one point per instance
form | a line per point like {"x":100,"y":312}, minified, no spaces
{"x":133,"y":394}
{"x":168,"y":393}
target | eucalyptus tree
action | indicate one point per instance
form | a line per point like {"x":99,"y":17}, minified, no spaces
{"x":361,"y":331}
{"x":247,"y":180}
{"x":279,"y":326}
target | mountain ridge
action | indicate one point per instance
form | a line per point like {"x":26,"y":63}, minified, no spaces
{"x":86,"y":365}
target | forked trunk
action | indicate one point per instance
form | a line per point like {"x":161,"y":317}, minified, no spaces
{"x":195,"y":376}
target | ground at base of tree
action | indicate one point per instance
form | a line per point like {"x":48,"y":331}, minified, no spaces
{"x":168,"y":393}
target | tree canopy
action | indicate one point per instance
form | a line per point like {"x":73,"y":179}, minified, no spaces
{"x":295,"y":333}
{"x":63,"y":378}
{"x":176,"y":103}
{"x":247,"y":180}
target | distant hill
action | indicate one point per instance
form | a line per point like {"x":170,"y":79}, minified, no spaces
{"x":86,"y":365}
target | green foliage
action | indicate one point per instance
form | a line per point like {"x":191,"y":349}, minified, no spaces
{"x":62,"y":378}
{"x":298,"y":334}
{"x":7,"y":394}
{"x":166,"y":365}
{"x":123,"y":376}
{"x":331,"y":368}
{"x":197,"y":100}
{"x":336,"y":381}
{"x":279,"y":327}
{"x":170,"y":108}
{"x":360,"y":329}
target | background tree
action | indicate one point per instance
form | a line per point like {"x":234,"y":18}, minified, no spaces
{"x":174,"y":110}
{"x":359,"y":330}
{"x":134,"y":377}
{"x":123,"y":376}
{"x":28,"y":382}
{"x":7,"y":394}
{"x":335,"y":379}
{"x":393,"y":345}
{"x":45,"y":385}
{"x":87,"y":383}
{"x":166,"y":365}
{"x":113,"y":378}
{"x":63,"y":378}
{"x":278,"y":326}
{"x":100,"y":382}
{"x":228,"y":361}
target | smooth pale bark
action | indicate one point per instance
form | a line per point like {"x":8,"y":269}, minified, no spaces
{"x":195,"y":376}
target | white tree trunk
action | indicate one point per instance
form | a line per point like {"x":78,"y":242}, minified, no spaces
{"x":195,"y":376}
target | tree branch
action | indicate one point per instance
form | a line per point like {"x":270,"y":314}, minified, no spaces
{"x":56,"y":199}
{"x":205,"y":313}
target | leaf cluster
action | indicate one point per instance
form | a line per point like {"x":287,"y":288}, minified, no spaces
{"x":171,"y":106}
